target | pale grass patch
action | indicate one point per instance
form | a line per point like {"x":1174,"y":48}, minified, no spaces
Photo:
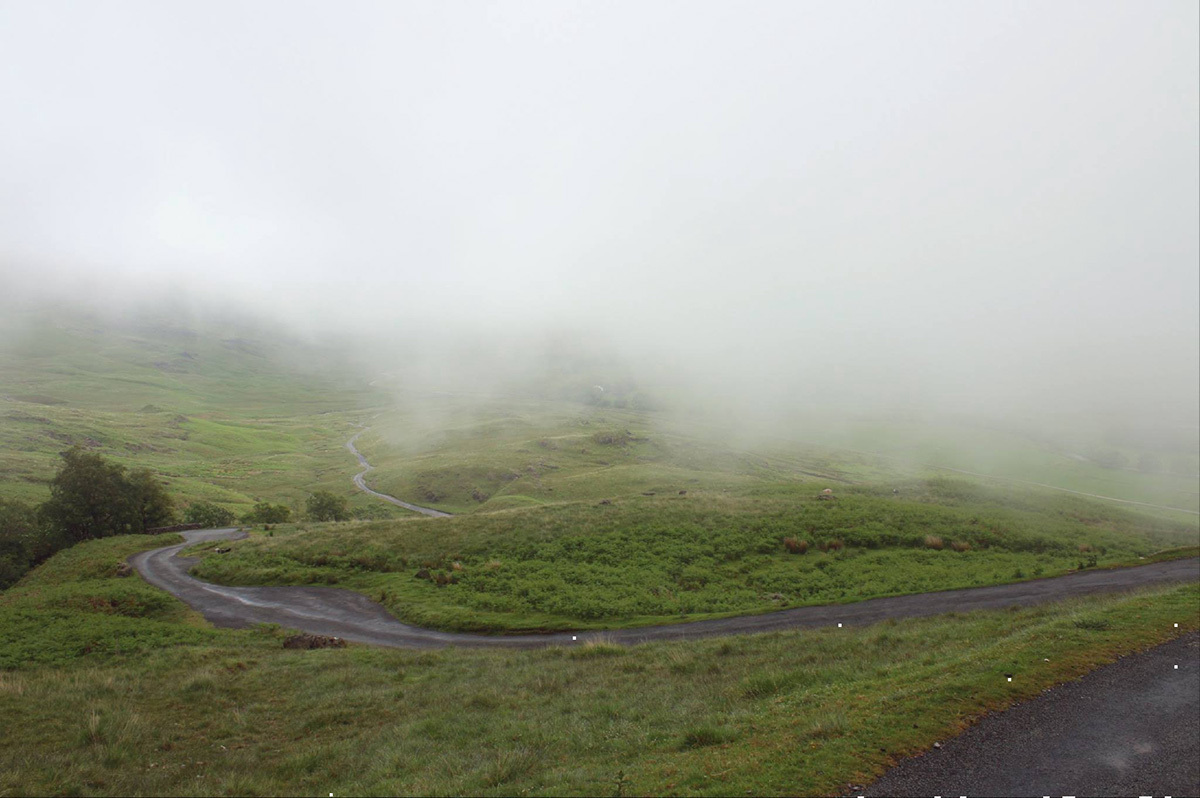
{"x":11,"y":684}
{"x":601,"y":645}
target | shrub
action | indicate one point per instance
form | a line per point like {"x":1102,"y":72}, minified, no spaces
{"x":267,"y":513}
{"x":326,"y":506}
{"x":960,"y":545}
{"x":934,"y":542}
{"x":209,"y":514}
{"x":1085,"y":547}
{"x":795,"y":546}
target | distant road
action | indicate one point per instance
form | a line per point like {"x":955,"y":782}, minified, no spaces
{"x":1130,"y":728}
{"x":362,"y":484}
{"x":344,"y":613}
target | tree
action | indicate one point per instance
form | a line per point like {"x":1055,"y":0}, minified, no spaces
{"x":149,"y":501}
{"x":19,"y":543}
{"x":266,"y":513}
{"x":210,"y":515}
{"x":325,"y":506}
{"x":89,"y":498}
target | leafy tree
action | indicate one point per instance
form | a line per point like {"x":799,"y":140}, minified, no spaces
{"x":266,"y":513}
{"x":19,"y":542}
{"x":89,"y":498}
{"x":149,"y":501}
{"x":210,"y":515}
{"x":326,"y":506}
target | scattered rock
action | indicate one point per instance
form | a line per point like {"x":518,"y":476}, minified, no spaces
{"x":124,"y":569}
{"x":222,"y":550}
{"x":605,"y":501}
{"x":313,"y":641}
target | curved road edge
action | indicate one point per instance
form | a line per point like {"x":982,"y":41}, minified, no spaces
{"x":360,"y":481}
{"x":344,"y":613}
{"x":1129,"y":728}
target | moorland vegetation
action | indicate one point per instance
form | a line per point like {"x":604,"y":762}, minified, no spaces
{"x":112,"y":687}
{"x":635,"y":560}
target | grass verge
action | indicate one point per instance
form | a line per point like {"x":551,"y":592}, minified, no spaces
{"x":643,"y":560}
{"x":216,"y":712}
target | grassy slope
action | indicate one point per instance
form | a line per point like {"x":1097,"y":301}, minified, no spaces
{"x":654,"y":559}
{"x":1014,"y":453}
{"x":513,"y":453}
{"x":128,"y":696}
{"x":222,"y":417}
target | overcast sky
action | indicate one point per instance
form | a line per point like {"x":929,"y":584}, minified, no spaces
{"x":964,"y":196}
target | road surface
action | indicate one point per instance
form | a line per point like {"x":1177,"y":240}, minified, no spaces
{"x":362,"y":485}
{"x":1130,"y":728}
{"x":344,"y":613}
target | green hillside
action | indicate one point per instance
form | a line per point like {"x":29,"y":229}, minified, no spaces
{"x":223,"y":414}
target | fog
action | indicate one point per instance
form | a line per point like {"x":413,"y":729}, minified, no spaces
{"x":945,"y":207}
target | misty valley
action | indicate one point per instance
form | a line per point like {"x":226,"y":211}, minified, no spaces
{"x":599,"y":540}
{"x":554,"y":398}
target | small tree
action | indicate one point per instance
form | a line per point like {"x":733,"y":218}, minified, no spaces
{"x":266,"y":513}
{"x":89,"y":498}
{"x":209,"y":514}
{"x":326,"y":506}
{"x":19,"y":541}
{"x":149,"y":502}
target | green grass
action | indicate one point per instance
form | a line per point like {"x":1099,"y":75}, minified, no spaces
{"x":642,"y":560}
{"x":222,"y":417}
{"x":513,"y":453}
{"x":1056,"y":456}
{"x":217,"y":712}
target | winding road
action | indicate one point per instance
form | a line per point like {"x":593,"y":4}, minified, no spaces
{"x":360,"y":481}
{"x":1128,"y":728}
{"x":344,"y":613}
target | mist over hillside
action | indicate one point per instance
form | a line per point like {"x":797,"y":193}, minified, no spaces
{"x":754,"y":217}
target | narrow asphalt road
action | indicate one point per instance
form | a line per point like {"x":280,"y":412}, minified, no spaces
{"x":344,"y":613}
{"x":360,"y":481}
{"x":1130,"y":728}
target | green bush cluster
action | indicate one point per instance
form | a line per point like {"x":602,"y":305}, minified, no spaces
{"x":89,"y":498}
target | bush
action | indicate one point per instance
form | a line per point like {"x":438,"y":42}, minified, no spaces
{"x":93,"y":498}
{"x":959,"y":545}
{"x":933,"y":542}
{"x":208,"y":514}
{"x":326,"y":506}
{"x":795,"y":546}
{"x":266,"y":513}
